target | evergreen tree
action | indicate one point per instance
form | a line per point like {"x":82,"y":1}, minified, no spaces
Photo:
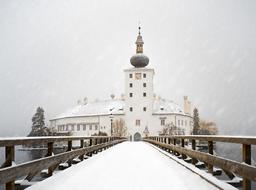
{"x":38,"y":118}
{"x":38,"y":124}
{"x":196,"y":121}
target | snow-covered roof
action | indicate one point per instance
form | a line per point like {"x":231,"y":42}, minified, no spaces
{"x":163,"y":106}
{"x":117,"y":106}
{"x":104,"y":107}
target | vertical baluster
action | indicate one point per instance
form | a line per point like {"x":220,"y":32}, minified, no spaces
{"x":49,"y":153}
{"x":183,"y":145}
{"x":210,"y":151}
{"x":69,"y":149}
{"x":194,"y":161}
{"x":81,"y":157}
{"x":9,"y":158}
{"x":174,"y":143}
{"x":247,"y":160}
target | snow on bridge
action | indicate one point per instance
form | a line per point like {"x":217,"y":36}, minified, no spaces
{"x":131,"y":166}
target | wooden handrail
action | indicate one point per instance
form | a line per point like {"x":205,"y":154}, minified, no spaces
{"x":8,"y":172}
{"x":42,"y":140}
{"x":250,"y":140}
{"x":245,"y":169}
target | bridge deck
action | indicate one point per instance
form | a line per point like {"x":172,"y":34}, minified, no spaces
{"x":129,"y":165}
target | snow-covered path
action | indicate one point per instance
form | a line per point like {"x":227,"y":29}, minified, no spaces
{"x":126,"y":166}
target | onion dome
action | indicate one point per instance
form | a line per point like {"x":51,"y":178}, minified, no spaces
{"x":139,"y":59}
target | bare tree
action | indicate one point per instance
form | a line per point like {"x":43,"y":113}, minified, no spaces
{"x":207,"y":128}
{"x":119,"y":128}
{"x":170,"y":129}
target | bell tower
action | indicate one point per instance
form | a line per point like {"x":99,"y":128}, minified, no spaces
{"x":138,"y":93}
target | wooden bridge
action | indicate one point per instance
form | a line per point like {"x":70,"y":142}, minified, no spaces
{"x":172,"y":146}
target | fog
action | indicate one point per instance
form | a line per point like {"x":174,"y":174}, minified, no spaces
{"x":54,"y":52}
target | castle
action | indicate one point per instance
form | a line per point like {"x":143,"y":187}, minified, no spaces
{"x":137,"y":114}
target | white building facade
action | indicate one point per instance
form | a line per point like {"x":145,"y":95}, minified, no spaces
{"x":141,"y":111}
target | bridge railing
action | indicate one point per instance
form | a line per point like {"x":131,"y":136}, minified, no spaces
{"x":176,"y":144}
{"x":9,"y":172}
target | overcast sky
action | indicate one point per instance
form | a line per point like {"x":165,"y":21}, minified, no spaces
{"x":54,"y":52}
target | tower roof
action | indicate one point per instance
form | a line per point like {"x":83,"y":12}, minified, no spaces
{"x":139,"y":59}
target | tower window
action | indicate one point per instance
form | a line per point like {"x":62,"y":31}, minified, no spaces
{"x":130,"y":75}
{"x":144,"y":94}
{"x":144,"y":75}
{"x":130,"y":94}
{"x":131,"y":109}
{"x":137,"y":122}
{"x":162,"y":122}
{"x":137,"y":76}
{"x":78,"y":127}
{"x":144,"y":84}
{"x":144,"y":109}
{"x":130,"y":85}
{"x":84,"y":127}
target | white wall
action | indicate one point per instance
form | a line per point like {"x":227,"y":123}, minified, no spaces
{"x":138,"y":101}
{"x":103,"y":123}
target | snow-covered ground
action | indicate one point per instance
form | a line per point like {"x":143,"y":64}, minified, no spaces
{"x":126,"y":166}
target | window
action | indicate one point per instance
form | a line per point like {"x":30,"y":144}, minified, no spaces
{"x":144,"y":85}
{"x":178,"y":122}
{"x":182,"y":122}
{"x":72,"y":127}
{"x":130,"y":75}
{"x":78,"y":127}
{"x":137,"y":122}
{"x":84,"y":127}
{"x":131,"y":109}
{"x":137,"y":76}
{"x":162,"y":122}
{"x":144,"y":75}
{"x":66,"y":127}
{"x":130,"y":85}
{"x":185,"y":122}
{"x":144,"y":109}
{"x":90,"y":127}
{"x":96,"y":127}
{"x":130,"y":94}
{"x":144,"y":94}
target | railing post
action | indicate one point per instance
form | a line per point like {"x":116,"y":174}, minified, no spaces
{"x":247,"y":160}
{"x":174,"y":143}
{"x":183,"y":145}
{"x":69,"y":149}
{"x":210,"y":151}
{"x":194,"y":161}
{"x":9,"y":158}
{"x":81,"y":157}
{"x":49,"y":153}
{"x":169,"y":142}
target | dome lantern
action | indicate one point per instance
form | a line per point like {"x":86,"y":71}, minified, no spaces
{"x":139,"y":59}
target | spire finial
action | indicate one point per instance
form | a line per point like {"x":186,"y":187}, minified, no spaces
{"x":139,"y":27}
{"x":139,"y":42}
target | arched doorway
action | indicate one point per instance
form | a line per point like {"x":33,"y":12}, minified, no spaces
{"x":137,"y":137}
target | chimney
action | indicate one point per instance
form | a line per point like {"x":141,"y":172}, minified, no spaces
{"x":187,"y":106}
